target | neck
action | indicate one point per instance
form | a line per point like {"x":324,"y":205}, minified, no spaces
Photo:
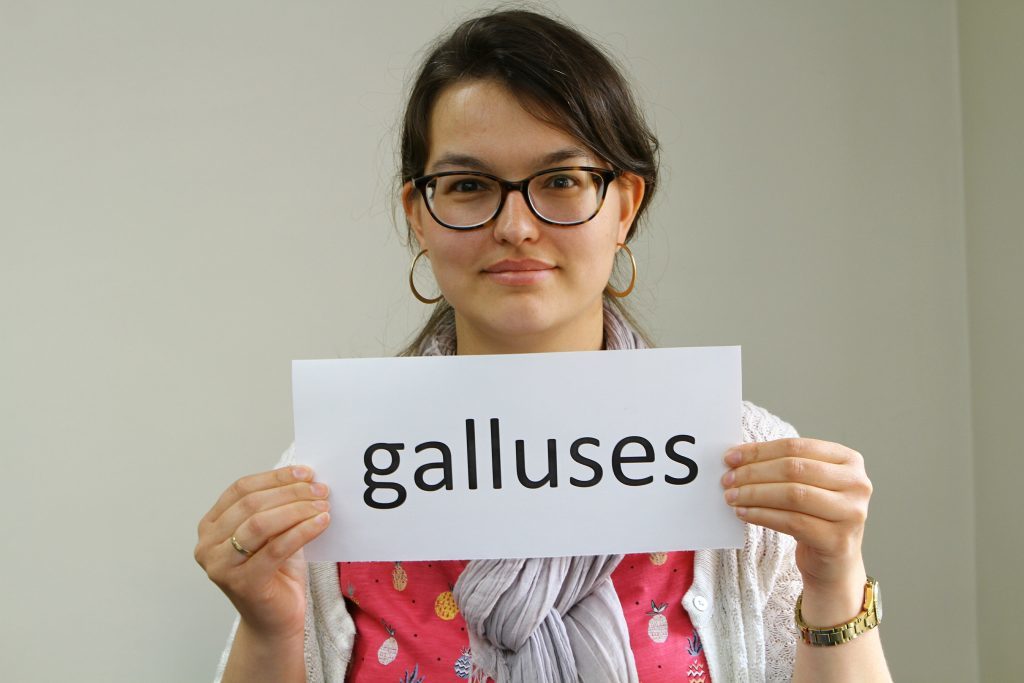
{"x":585,"y":333}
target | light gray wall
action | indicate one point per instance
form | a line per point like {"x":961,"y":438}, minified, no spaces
{"x":992,"y":71}
{"x":193,"y":194}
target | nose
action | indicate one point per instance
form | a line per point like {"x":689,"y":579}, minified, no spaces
{"x":515,"y":223}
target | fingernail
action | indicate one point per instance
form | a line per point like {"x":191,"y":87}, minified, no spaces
{"x":741,"y":512}
{"x":300,"y":472}
{"x":728,"y":479}
{"x":322,"y":505}
{"x":733,"y":457}
{"x":318,"y":489}
{"x":730,"y":496}
{"x":322,"y":518}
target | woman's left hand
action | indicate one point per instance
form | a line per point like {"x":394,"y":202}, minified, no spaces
{"x":815,"y":491}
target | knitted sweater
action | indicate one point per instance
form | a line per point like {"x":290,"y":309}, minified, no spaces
{"x":740,"y":603}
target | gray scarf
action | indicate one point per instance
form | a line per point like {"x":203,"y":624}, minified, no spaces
{"x":545,"y":620}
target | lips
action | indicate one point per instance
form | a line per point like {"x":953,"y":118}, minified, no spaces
{"x":510,"y":265}
{"x":519,"y":272}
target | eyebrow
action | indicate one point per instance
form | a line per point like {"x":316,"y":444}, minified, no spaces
{"x":468,"y":161}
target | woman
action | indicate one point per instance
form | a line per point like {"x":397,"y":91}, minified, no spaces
{"x":527,"y":168}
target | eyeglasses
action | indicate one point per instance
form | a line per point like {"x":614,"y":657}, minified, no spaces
{"x":566,"y":196}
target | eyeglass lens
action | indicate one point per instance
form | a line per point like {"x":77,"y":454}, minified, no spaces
{"x":566,"y":196}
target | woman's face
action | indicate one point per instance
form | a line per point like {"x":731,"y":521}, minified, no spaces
{"x":517,"y":282}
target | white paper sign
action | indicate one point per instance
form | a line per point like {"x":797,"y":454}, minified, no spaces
{"x":535,"y":455}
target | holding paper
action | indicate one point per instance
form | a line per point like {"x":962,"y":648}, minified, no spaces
{"x":532,"y":455}
{"x":544,"y":464}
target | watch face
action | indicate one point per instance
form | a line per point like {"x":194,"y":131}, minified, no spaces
{"x":878,"y":601}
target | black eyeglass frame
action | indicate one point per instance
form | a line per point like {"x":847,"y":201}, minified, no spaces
{"x":522,"y":186}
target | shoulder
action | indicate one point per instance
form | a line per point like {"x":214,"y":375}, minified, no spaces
{"x":761,"y":425}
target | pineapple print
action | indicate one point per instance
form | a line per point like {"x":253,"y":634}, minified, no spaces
{"x":657,"y":559}
{"x":695,"y":672}
{"x":444,"y":605}
{"x":399,"y":579}
{"x":464,"y":665}
{"x":413,"y":676}
{"x":389,"y":648}
{"x":350,"y":593}
{"x":657,"y":627}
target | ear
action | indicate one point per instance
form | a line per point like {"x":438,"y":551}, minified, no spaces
{"x":631,"y":188}
{"x":413,"y":211}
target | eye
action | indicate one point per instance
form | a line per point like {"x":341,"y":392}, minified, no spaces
{"x":470,"y":185}
{"x":464,"y":185}
{"x":561,"y":182}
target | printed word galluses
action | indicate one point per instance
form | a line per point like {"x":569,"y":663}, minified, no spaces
{"x":629,"y":450}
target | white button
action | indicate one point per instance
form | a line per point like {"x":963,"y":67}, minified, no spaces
{"x":699,"y":603}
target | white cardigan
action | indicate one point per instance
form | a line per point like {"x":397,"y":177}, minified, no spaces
{"x":741,"y":602}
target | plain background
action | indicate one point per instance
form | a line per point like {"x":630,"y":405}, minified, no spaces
{"x":194,"y":193}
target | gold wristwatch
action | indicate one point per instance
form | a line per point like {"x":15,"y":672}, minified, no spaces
{"x":870,"y":616}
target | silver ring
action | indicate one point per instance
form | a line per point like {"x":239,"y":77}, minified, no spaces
{"x":240,"y":548}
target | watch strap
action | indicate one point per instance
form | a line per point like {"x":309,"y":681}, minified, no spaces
{"x":868,"y":618}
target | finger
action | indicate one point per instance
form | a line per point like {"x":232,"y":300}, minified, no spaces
{"x":812,"y":449}
{"x":817,"y":473}
{"x":257,"y":482}
{"x":283,"y":546}
{"x":810,"y":532}
{"x":789,"y":497}
{"x":258,"y":530}
{"x":804,"y":528}
{"x":268,"y":499}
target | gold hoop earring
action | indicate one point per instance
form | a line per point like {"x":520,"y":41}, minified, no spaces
{"x":412,"y":283}
{"x":632,"y":280}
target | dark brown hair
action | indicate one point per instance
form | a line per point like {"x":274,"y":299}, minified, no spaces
{"x":559,"y":76}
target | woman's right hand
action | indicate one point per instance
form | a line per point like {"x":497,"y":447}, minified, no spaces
{"x":273,"y":515}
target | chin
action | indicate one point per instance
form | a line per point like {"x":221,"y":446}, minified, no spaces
{"x":522,"y":321}
{"x":516,"y":317}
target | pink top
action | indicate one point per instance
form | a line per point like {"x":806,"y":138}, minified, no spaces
{"x":409,"y":629}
